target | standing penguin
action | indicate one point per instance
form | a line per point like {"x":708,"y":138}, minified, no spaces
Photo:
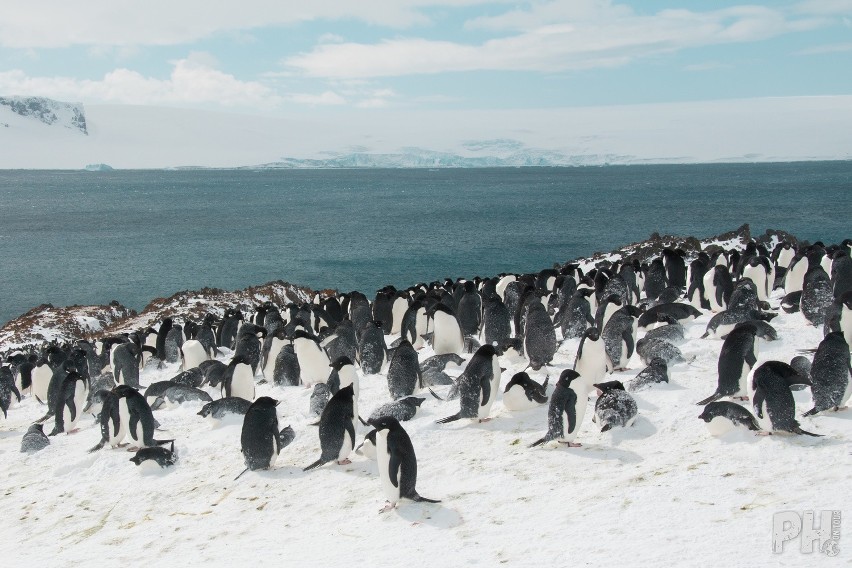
{"x":614,"y":407}
{"x":830,"y":374}
{"x":539,"y":337}
{"x":260,"y":439}
{"x":447,"y":334}
{"x":413,"y":326}
{"x":7,"y":389}
{"x":238,"y":379}
{"x":70,"y":402}
{"x":136,"y":416}
{"x":313,"y":361}
{"x":718,"y":286}
{"x":125,"y":360}
{"x":372,"y":348}
{"x":397,"y":463}
{"x":736,"y":360}
{"x":162,"y":334}
{"x":817,"y":295}
{"x":496,"y":321}
{"x":619,"y":336}
{"x":404,"y":375}
{"x":249,"y":345}
{"x":287,"y":371}
{"x":470,"y":309}
{"x":192,"y":354}
{"x":592,"y":361}
{"x":773,"y":400}
{"x":567,"y":409}
{"x":575,"y":316}
{"x":272,"y":346}
{"x":478,"y":386}
{"x":337,"y":429}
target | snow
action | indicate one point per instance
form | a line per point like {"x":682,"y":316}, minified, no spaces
{"x":661,"y":492}
{"x":743,"y":130}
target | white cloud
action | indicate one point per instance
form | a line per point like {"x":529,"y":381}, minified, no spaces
{"x":829,"y":48}
{"x":60,"y":23}
{"x":326,"y":98}
{"x":554,"y":36}
{"x":192,"y":81}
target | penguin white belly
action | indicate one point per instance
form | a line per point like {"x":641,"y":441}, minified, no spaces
{"x":592,"y":366}
{"x":845,"y":325}
{"x":242,"y":383}
{"x":501,"y":286}
{"x":312,"y":360}
{"x":80,"y":394}
{"x":123,"y":423}
{"x":848,"y":392}
{"x":421,"y":325}
{"x":193,"y":354}
{"x":485,"y":409}
{"x":710,"y":292}
{"x":757,"y":274}
{"x":515,"y":399}
{"x":719,"y":426}
{"x":346,"y":447}
{"x":610,"y":309}
{"x":784,"y":257}
{"x":368,"y":450}
{"x":794,"y":281}
{"x":826,"y":263}
{"x":348,"y":376}
{"x":275,"y":348}
{"x":41,"y":381}
{"x":745,"y":374}
{"x":383,"y":461}
{"x":723,"y":329}
{"x":274,"y":456}
{"x":400,"y":305}
{"x":447,"y":336}
{"x":622,"y":362}
{"x":580,"y":411}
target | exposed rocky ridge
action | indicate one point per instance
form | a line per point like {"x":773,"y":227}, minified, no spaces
{"x":48,"y":111}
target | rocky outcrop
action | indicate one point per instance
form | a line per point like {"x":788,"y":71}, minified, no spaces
{"x":48,"y":111}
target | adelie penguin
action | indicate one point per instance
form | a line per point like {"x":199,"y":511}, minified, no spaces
{"x":261,"y":441}
{"x":567,"y":409}
{"x":773,"y":400}
{"x":614,"y":407}
{"x":523,"y":393}
{"x":831,"y":374}
{"x":397,"y":463}
{"x":404,"y":374}
{"x":592,"y":361}
{"x":34,"y":440}
{"x":736,"y":360}
{"x":157,"y":455}
{"x":477,"y":386}
{"x":722,"y":416}
{"x":337,"y":429}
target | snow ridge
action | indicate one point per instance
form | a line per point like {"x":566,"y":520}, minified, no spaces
{"x":48,"y":111}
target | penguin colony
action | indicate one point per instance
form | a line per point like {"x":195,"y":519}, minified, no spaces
{"x":447,"y":345}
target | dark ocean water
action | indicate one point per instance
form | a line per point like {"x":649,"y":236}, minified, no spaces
{"x":75,"y":237}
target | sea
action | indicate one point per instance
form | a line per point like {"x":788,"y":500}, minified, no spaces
{"x":80,"y":237}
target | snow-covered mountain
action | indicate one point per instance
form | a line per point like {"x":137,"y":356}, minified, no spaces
{"x":38,"y":133}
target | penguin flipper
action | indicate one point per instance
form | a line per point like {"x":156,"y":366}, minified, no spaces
{"x":811,"y":412}
{"x":316,"y":464}
{"x":712,"y":398}
{"x":420,"y":499}
{"x":435,"y":395}
{"x":798,"y":430}
{"x":627,"y":336}
{"x":98,"y":447}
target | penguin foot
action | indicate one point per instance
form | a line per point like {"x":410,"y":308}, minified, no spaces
{"x":763,"y":433}
{"x":739,"y":397}
{"x":572,"y":444}
{"x":839,"y":408}
{"x":388,"y":507}
{"x":133,"y":449}
{"x":484,"y":420}
{"x":74,"y":431}
{"x":347,"y":461}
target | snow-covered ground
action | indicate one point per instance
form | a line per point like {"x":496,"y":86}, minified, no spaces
{"x":663,"y":492}
{"x":742,"y":130}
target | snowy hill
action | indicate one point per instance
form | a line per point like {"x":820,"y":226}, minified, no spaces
{"x":50,"y":135}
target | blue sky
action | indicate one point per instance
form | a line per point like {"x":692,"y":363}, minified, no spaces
{"x":324,"y":57}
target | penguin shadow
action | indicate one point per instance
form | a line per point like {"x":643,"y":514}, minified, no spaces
{"x":284,"y":471}
{"x":602,"y":452}
{"x":432,"y":514}
{"x":9,"y":434}
{"x":642,"y":428}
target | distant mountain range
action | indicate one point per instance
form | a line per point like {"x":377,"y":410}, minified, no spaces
{"x":40,"y":133}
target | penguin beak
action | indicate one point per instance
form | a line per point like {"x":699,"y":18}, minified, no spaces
{"x":277,"y":402}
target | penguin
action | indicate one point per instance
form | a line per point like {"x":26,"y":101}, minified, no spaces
{"x":672,"y":331}
{"x":830,"y":374}
{"x":675,"y":268}
{"x":414,"y":324}
{"x":272,"y":346}
{"x":372,"y":348}
{"x":683,"y":313}
{"x":655,"y":279}
{"x":470,"y":309}
{"x":260,"y":439}
{"x":287,"y":370}
{"x":192,"y":354}
{"x":70,"y":402}
{"x":496,"y":322}
{"x":41,"y":374}
{"x":113,"y":428}
{"x":403,"y":409}
{"x":34,"y":439}
{"x":337,"y":429}
{"x":319,"y":398}
{"x":397,"y":463}
{"x":773,"y":400}
{"x":226,"y":333}
{"x":757,"y":269}
{"x":404,"y":374}
{"x":567,"y":409}
{"x":619,"y":336}
{"x":592,"y":362}
{"x":576,"y":316}
{"x":722,"y":416}
{"x":539,"y":337}
{"x":657,"y":371}
{"x":383,"y":309}
{"x":212,"y":371}
{"x":249,"y":345}
{"x":161,"y":456}
{"x":346,"y":375}
{"x":136,"y":417}
{"x":238,"y":379}
{"x":718,"y":286}
{"x":55,"y":387}
{"x":178,"y":394}
{"x":160,"y":344}
{"x":478,"y":385}
{"x":367,"y":448}
{"x":218,"y":410}
{"x":606,"y":308}
{"x":504,"y":281}
{"x":206,"y":336}
{"x":614,"y":406}
{"x":783,"y":254}
{"x":736,"y":360}
{"x":125,"y":360}
{"x":696,"y":293}
{"x":651,"y":348}
{"x":763,"y":329}
{"x":817,"y":296}
{"x":313,"y":361}
{"x":173,"y":343}
{"x":523,"y":393}
{"x":342,"y":342}
{"x":839,"y":317}
{"x":447,"y":334}
{"x":7,"y":389}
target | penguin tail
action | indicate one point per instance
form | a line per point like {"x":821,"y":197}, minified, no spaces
{"x":538,"y":442}
{"x":316,"y":464}
{"x":706,"y":335}
{"x":420,"y":499}
{"x":606,"y":427}
{"x":44,"y":418}
{"x":798,"y":430}
{"x":165,"y":443}
{"x":449,"y":419}
{"x":241,"y":474}
{"x":56,"y":430}
{"x":713,"y":397}
{"x":98,"y":447}
{"x":811,"y":412}
{"x":436,"y":395}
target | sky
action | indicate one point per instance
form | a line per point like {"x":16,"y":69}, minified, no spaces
{"x":323,"y":57}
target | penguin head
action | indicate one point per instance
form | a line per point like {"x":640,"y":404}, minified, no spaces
{"x":846,"y":299}
{"x":340,"y":362}
{"x":415,"y":401}
{"x":384,"y":423}
{"x":592,"y":334}
{"x":658,"y":362}
{"x":264,"y":402}
{"x":566,"y":377}
{"x":608,"y":386}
